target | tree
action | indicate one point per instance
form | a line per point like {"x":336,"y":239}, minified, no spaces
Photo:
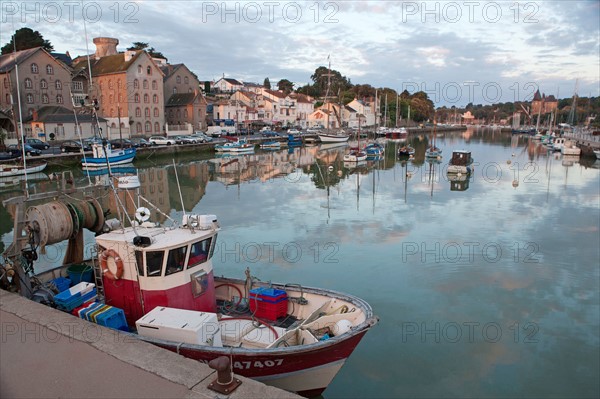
{"x":150,"y":50}
{"x":285,"y":86}
{"x":26,"y":38}
{"x":267,"y":84}
{"x":338,"y":83}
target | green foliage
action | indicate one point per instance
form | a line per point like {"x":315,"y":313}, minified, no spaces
{"x":150,"y":50}
{"x":285,"y":86}
{"x":26,"y":38}
{"x":267,"y":84}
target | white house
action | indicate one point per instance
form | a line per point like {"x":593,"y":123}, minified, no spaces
{"x":227,"y":85}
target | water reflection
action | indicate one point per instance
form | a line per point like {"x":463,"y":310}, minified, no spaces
{"x":422,"y":248}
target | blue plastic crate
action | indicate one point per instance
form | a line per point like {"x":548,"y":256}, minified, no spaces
{"x":66,"y":301}
{"x":272,"y":295}
{"x":113,"y":318}
{"x":61,"y":283}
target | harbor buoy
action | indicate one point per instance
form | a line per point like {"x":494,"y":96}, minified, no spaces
{"x":515,"y":183}
{"x":508,"y":162}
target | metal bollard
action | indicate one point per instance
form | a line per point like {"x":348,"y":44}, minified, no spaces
{"x":225,"y":382}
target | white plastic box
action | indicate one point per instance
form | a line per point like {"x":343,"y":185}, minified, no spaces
{"x":178,"y":325}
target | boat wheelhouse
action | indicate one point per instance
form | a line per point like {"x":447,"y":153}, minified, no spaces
{"x":460,"y":163}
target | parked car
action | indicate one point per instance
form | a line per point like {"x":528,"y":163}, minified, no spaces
{"x":182,"y":139}
{"x":122,"y":143}
{"x":29,"y":150}
{"x":269,"y":133}
{"x":37,"y":144}
{"x":73,"y":146}
{"x":293,"y":131}
{"x":202,"y":138}
{"x":161,"y":140}
{"x":140,"y":142}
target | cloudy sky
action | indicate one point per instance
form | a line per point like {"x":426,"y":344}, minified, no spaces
{"x":457,"y":51}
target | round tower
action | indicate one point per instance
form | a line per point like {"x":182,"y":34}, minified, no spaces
{"x":105,"y":46}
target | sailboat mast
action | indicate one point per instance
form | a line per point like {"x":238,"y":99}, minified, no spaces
{"x":19,"y":129}
{"x":397,"y":108}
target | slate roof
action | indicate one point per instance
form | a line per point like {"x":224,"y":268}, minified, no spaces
{"x":106,"y":65}
{"x":179,"y":99}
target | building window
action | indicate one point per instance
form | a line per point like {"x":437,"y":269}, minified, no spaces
{"x":146,"y":98}
{"x":154,"y":85}
{"x":147,"y":112}
{"x":136,"y":84}
{"x":136,"y":98}
{"x":148,"y":126}
{"x":178,"y":79}
{"x":138,"y":127}
{"x":5,"y":83}
{"x":186,"y":80}
{"x":118,"y":83}
{"x":185,"y":114}
{"x":155,"y":99}
{"x":174,"y":90}
{"x":145,"y":84}
{"x":156,"y":127}
{"x":49,"y":69}
{"x":34,"y":68}
{"x":110,"y":84}
{"x":138,"y":112}
{"x":43,"y":84}
{"x":156,"y":112}
{"x":149,"y":70}
{"x":28,"y":83}
{"x":59,"y":99}
{"x":139,"y":69}
{"x":29,"y":98}
{"x":58,"y":85}
{"x":111,"y":99}
{"x":45,"y":98}
{"x":8,"y":98}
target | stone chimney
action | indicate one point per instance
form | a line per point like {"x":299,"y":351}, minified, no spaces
{"x":105,"y":46}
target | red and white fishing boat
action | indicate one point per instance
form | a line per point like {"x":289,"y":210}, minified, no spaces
{"x":289,"y":336}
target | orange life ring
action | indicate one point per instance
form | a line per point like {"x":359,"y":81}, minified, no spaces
{"x":107,"y":253}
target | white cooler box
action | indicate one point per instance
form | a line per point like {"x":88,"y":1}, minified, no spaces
{"x":187,"y":326}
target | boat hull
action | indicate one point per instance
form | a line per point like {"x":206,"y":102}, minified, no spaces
{"x":333,"y":138}
{"x":16,"y":170}
{"x":306,"y":370}
{"x":123,"y":157}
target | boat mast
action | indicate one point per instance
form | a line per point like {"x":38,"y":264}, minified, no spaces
{"x":19,"y":128}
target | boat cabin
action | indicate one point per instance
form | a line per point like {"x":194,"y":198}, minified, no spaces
{"x":146,"y":267}
{"x":461,"y":158}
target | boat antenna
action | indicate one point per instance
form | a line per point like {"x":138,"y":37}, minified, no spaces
{"x":20,"y":127}
{"x":78,"y":128}
{"x":179,"y":188}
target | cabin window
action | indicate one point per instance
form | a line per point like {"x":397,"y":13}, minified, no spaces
{"x":154,"y":262}
{"x":212,"y":248}
{"x":176,"y":260}
{"x":199,"y":252}
{"x":139,"y":260}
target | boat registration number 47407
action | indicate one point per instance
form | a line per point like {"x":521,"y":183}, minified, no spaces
{"x":245,"y":365}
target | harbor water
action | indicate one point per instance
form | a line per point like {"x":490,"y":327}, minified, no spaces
{"x":486,"y":285}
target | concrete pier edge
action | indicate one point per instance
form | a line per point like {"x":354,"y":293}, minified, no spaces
{"x":124,"y":350}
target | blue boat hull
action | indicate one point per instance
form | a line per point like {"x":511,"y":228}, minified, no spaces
{"x":123,"y":157}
